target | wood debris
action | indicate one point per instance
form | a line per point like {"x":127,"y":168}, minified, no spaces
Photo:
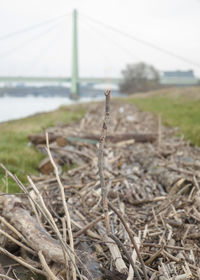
{"x":152,"y":181}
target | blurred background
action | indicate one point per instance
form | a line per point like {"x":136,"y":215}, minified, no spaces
{"x":64,"y":52}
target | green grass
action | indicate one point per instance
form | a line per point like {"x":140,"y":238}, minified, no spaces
{"x":15,"y":153}
{"x":178,"y":107}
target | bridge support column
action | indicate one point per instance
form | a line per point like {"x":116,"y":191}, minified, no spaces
{"x":75,"y":78}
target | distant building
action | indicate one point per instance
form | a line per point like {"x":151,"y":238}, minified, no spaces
{"x":178,"y":78}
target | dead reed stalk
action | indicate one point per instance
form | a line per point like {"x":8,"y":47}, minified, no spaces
{"x":48,"y":217}
{"x":67,"y":216}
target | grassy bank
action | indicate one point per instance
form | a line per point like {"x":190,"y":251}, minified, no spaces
{"x":178,"y":107}
{"x":15,"y":153}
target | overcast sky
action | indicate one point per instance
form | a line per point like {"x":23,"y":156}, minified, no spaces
{"x":172,"y":25}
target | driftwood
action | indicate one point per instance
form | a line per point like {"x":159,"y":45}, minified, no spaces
{"x":46,"y":166}
{"x":137,"y":137}
{"x":40,"y":240}
{"x":62,"y":141}
{"x":37,"y":139}
{"x":37,"y":237}
{"x":154,"y":186}
{"x":115,"y":252}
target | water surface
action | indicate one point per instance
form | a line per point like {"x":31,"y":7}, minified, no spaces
{"x":18,"y":107}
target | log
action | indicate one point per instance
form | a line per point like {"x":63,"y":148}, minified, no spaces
{"x":37,"y":139}
{"x":62,"y":141}
{"x":40,"y":240}
{"x":138,"y":137}
{"x":46,"y":166}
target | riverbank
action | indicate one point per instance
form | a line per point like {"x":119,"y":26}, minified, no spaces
{"x":178,"y":107}
{"x":151,"y":184}
{"x":15,"y":152}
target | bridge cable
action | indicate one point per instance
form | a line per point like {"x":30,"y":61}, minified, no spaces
{"x":108,"y":79}
{"x":116,"y":44}
{"x":43,"y":52}
{"x":85,"y":26}
{"x":141,"y":41}
{"x":32,"y":27}
{"x":27,"y":42}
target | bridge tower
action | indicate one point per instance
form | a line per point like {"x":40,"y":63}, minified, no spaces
{"x":75,"y":78}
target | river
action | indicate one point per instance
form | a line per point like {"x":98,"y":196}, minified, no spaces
{"x":19,"y":107}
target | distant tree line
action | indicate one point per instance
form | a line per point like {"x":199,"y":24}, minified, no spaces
{"x":139,"y":77}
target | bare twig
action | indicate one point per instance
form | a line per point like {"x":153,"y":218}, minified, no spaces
{"x":13,"y":229}
{"x":88,"y":231}
{"x":22,"y":262}
{"x":133,"y":257}
{"x":115,"y":252}
{"x":100,"y":161}
{"x":46,"y":267}
{"x":51,"y":221}
{"x":45,"y":212}
{"x":159,"y":131}
{"x":131,"y":238}
{"x":88,"y":226}
{"x":35,"y":210}
{"x":5,"y":277}
{"x":120,"y":244}
{"x":154,"y":256}
{"x":64,"y":230}
{"x":17,"y":242}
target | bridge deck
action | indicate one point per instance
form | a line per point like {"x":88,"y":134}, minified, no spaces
{"x":92,"y":80}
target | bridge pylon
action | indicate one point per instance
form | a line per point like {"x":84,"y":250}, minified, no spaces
{"x":75,"y":76}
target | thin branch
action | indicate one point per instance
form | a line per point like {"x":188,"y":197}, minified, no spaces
{"x":100,"y":161}
{"x":89,"y":226}
{"x":5,"y":277}
{"x":131,"y":238}
{"x":120,"y":244}
{"x":133,"y":257}
{"x":114,"y":250}
{"x":13,"y":229}
{"x":14,"y":240}
{"x":46,"y":267}
{"x":22,"y":262}
{"x":51,"y":221}
{"x":45,"y":212}
{"x":35,"y":211}
{"x":159,"y":131}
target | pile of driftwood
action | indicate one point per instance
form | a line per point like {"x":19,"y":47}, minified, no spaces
{"x":128,"y":209}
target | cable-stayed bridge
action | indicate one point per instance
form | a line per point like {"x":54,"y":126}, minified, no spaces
{"x":96,"y":80}
{"x":75,"y":79}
